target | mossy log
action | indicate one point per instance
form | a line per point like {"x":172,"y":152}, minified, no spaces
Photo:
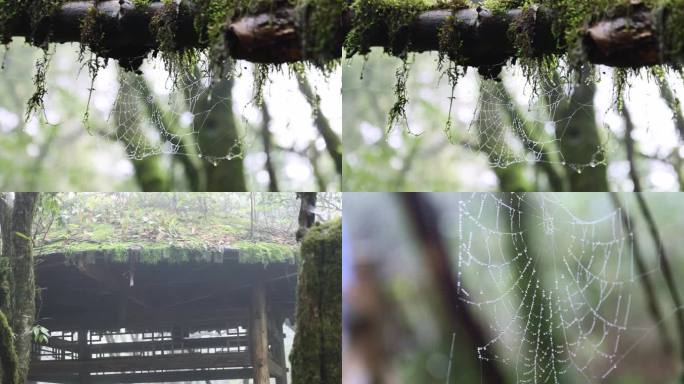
{"x":125,"y":31}
{"x":631,"y":35}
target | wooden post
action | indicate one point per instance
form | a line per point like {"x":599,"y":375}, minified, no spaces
{"x":258,"y":334}
{"x":83,"y":355}
{"x":279,"y":349}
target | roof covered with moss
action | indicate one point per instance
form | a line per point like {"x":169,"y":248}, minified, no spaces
{"x":153,"y":235}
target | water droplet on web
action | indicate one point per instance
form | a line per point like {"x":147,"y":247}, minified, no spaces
{"x":592,"y":164}
{"x":579,"y":171}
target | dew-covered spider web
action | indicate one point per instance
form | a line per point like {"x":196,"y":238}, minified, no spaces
{"x":157,"y":113}
{"x":187,"y":112}
{"x":554,"y":288}
{"x":519,"y":121}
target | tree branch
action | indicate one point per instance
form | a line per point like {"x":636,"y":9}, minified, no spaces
{"x":424,"y":218}
{"x":666,"y":268}
{"x":269,"y":37}
{"x":644,"y":278}
{"x":332,"y":141}
{"x":628,"y":37}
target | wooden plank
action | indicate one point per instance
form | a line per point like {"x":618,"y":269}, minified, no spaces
{"x":258,"y":333}
{"x":145,"y":346}
{"x":153,"y":377}
{"x":134,"y":363}
{"x":145,"y":319}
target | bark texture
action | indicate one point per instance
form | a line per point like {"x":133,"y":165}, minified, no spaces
{"x":23,"y":279}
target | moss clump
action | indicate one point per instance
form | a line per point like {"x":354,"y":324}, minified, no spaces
{"x":35,"y":103}
{"x":165,"y":27}
{"x":671,"y":17}
{"x":93,"y":33}
{"x":153,"y":253}
{"x":38,"y":12}
{"x":320,"y":22}
{"x":8,"y":355}
{"x":264,"y":252}
{"x":316,"y":355}
{"x":383,"y":17}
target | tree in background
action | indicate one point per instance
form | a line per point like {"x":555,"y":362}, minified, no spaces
{"x":17,"y":308}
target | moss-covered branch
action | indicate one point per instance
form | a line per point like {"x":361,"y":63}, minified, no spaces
{"x":272,"y":31}
{"x":622,"y":33}
{"x":619,"y":33}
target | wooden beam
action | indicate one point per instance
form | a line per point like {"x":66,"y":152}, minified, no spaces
{"x":153,"y":377}
{"x":275,"y":369}
{"x":138,"y":363}
{"x":148,"y":346}
{"x":143,"y":319}
{"x":258,"y":334}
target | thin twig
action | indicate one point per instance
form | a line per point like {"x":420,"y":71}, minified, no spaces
{"x":451,"y":356}
{"x":629,"y":144}
{"x":665,"y":266}
{"x":644,"y":278}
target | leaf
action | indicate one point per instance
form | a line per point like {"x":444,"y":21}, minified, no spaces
{"x":23,"y":236}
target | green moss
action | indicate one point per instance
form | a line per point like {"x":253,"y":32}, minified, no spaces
{"x":8,"y":355}
{"x":264,"y":252}
{"x":386,"y":17}
{"x":316,"y":354}
{"x":154,"y":253}
{"x":398,"y":111}
{"x":164,"y":26}
{"x":321,"y":30}
{"x":35,"y":103}
{"x":37,"y":11}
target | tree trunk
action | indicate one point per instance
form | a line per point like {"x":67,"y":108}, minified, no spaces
{"x":129,"y":124}
{"x":578,"y":136}
{"x":307,"y":213}
{"x":24,"y":287}
{"x":536,"y":309}
{"x":9,"y":370}
{"x":316,"y":356}
{"x":219,"y":141}
{"x":493,"y":142}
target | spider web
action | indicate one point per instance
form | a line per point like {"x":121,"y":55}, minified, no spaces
{"x":516,"y":122}
{"x":571,"y":317}
{"x":163,"y":114}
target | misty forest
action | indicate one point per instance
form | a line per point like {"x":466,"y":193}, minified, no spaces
{"x":154,"y":95}
{"x":514,"y":96}
{"x":170,"y":287}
